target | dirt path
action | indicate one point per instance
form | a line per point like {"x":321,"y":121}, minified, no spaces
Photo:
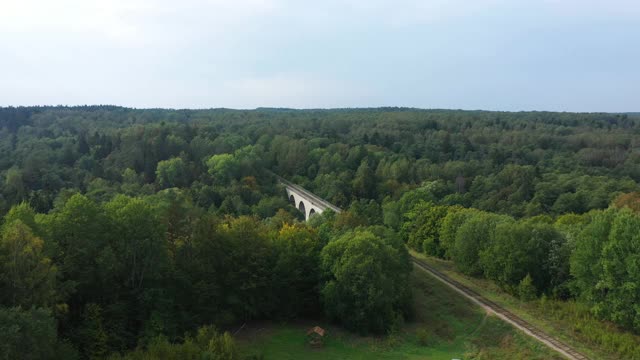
{"x":503,"y":313}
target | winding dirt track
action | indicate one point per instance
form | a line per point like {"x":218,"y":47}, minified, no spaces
{"x":503,"y":313}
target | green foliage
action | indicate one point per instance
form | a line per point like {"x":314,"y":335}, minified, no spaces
{"x":27,"y":334}
{"x":221,"y":347}
{"x":425,"y":337}
{"x":526,"y":290}
{"x":394,"y":211}
{"x":137,"y":240}
{"x":578,"y":321}
{"x":471,"y":239}
{"x":516,"y":163}
{"x":238,"y":284}
{"x":268,"y":206}
{"x":226,"y":167}
{"x":366,"y":283}
{"x":14,"y":186}
{"x":518,"y":249}
{"x":79,"y":232}
{"x":296,"y":274}
{"x":364,"y":183}
{"x":27,"y":276}
{"x":586,"y":267}
{"x":172,"y":173}
{"x":391,"y":215}
{"x":208,"y":344}
{"x":223,"y":166}
{"x":507,"y":190}
{"x":113,"y":215}
{"x":24,"y":213}
{"x":422,"y":228}
{"x":370,"y":210}
{"x":616,"y":292}
{"x":456,"y":216}
{"x":569,"y":225}
{"x":92,"y":335}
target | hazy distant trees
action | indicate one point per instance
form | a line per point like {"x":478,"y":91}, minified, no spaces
{"x":521,"y":164}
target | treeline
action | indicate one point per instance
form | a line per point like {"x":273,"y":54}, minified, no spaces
{"x":592,"y":257}
{"x":521,"y":164}
{"x":90,"y":279}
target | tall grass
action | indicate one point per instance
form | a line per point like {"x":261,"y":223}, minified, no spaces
{"x":586,"y":328}
{"x":568,"y":320}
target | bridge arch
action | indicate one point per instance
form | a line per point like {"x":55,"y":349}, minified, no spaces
{"x":308,"y":203}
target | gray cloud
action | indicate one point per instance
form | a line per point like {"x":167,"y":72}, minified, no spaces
{"x":534,"y":54}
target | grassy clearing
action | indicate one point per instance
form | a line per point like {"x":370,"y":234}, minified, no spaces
{"x":445,"y":326}
{"x":567,"y":320}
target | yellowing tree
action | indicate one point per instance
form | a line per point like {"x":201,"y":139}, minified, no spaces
{"x":27,"y":276}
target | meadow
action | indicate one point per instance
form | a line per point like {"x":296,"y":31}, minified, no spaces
{"x":444,"y":326}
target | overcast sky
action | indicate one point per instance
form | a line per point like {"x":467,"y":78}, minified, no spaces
{"x":565,"y":55}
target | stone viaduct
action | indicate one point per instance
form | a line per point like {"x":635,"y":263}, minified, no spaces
{"x":305,"y":201}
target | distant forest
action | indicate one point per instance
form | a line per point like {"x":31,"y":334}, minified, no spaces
{"x":522,"y":164}
{"x":124,"y":229}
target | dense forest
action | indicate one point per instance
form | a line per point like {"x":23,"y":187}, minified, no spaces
{"x":131,"y":231}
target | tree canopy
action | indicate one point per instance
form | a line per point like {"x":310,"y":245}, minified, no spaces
{"x":125,"y":229}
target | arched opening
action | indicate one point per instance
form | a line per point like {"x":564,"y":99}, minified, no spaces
{"x":302,"y":209}
{"x":312,"y":212}
{"x":292,"y":200}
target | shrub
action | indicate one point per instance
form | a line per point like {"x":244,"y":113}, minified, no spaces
{"x":425,"y":337}
{"x":526,"y":289}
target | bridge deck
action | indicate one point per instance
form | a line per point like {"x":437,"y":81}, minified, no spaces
{"x":315,"y":198}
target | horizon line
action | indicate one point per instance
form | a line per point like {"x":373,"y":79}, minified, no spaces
{"x":268,"y":108}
